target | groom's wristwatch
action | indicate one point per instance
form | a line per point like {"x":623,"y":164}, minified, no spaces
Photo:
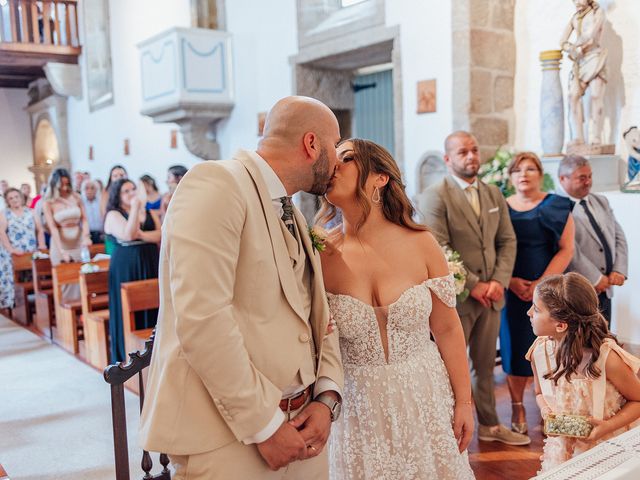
{"x":333,"y":405}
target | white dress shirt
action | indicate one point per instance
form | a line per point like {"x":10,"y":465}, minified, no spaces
{"x":324,"y":384}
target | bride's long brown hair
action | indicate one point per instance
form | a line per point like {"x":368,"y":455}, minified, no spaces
{"x":370,"y":157}
{"x":571,"y":299}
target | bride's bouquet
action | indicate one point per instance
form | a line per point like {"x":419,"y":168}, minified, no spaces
{"x":456,"y":267}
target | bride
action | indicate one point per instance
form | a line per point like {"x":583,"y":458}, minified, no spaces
{"x":407,"y":410}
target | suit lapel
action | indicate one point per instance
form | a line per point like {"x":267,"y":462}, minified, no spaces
{"x":280,"y":250}
{"x":460,"y":202}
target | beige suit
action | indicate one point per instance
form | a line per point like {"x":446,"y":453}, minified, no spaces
{"x":233,"y":329}
{"x":487,"y":245}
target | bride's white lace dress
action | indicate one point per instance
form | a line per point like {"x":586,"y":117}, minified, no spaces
{"x":397,"y":412}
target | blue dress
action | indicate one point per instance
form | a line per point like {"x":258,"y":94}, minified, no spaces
{"x":538,"y":232}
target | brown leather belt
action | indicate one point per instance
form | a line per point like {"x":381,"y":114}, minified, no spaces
{"x":295,"y":402}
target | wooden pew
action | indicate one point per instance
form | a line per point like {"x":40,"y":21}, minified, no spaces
{"x":96,"y":248}
{"x":137,"y":296}
{"x":21,"y":311}
{"x":69,"y":329}
{"x":95,"y":321}
{"x":45,"y":318}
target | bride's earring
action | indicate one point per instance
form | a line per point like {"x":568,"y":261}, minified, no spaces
{"x":376,"y":198}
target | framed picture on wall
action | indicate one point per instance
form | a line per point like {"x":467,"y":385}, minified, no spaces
{"x":97,"y":54}
{"x":426,"y":96}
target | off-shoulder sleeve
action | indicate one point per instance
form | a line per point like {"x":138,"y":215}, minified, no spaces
{"x":554,"y":214}
{"x":444,"y":288}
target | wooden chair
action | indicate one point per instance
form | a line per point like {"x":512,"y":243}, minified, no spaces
{"x":95,"y":321}
{"x":69,"y":329}
{"x":116,"y":376}
{"x":45,"y":318}
{"x":137,"y":296}
{"x":21,"y":312}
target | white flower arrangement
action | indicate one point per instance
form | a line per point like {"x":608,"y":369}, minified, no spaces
{"x":459,"y":272}
{"x":89,"y":268}
{"x":38,"y":255}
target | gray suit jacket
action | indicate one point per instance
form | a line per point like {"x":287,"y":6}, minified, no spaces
{"x":487,"y":244}
{"x":588,"y":258}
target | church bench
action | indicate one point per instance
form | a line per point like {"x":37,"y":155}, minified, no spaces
{"x":21,"y":311}
{"x":68,"y":328}
{"x":44,"y":320}
{"x":95,"y":321}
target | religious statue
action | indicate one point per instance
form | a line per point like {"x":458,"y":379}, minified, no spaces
{"x":588,"y":72}
{"x":632,"y":140}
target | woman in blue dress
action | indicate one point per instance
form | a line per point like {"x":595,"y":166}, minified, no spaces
{"x":545,"y":232}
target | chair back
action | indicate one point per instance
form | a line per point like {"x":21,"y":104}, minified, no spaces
{"x":69,"y":274}
{"x":116,"y":375}
{"x":42,"y":274}
{"x":21,"y":263}
{"x":137,"y":296}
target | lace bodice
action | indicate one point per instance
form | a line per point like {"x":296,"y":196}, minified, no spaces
{"x":407,"y":322}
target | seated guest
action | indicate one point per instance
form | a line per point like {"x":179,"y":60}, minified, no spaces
{"x":544,"y":231}
{"x":174,"y":175}
{"x":580,"y":369}
{"x":154,"y":199}
{"x":20,"y":232}
{"x":25,"y":189}
{"x":135,"y":234}
{"x":92,"y":208}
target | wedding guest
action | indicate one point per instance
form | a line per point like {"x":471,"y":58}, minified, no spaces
{"x":174,"y":175}
{"x":20,"y":232}
{"x":545,"y":231}
{"x":135,"y":234}
{"x":407,"y":399}
{"x":4,"y":185}
{"x":67,"y":222}
{"x":580,"y":369}
{"x":600,"y":244}
{"x":91,"y":201}
{"x":472,"y":218}
{"x":25,"y":189}
{"x":116,"y":173}
{"x":37,"y":198}
{"x":154,"y":199}
{"x":79,"y":177}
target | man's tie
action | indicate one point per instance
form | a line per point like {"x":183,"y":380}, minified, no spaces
{"x":472,"y":195}
{"x":608,"y":257}
{"x":287,"y":214}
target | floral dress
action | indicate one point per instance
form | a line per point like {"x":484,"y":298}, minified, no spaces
{"x":592,"y":397}
{"x":396,"y":421}
{"x":21,"y":231}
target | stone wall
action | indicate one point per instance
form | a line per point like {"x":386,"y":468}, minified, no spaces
{"x":484,"y":60}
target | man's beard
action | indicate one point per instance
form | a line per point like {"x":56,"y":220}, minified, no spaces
{"x":469,"y":173}
{"x":321,"y":174}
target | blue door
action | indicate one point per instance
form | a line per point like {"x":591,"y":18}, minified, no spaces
{"x":373,"y":115}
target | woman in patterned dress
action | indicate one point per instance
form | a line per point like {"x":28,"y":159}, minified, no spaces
{"x":19,"y":231}
{"x":407,"y":410}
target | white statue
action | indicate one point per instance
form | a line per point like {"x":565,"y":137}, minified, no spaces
{"x":588,"y":72}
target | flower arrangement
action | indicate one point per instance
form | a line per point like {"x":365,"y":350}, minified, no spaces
{"x":456,"y":267}
{"x":38,"y":255}
{"x":495,"y":172}
{"x":89,"y":268}
{"x":318,"y":236}
{"x":567,"y":425}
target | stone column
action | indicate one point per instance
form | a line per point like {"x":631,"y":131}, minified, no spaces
{"x":484,"y":60}
{"x":551,"y":104}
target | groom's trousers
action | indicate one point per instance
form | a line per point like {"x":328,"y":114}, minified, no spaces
{"x":481,"y":326}
{"x":238,"y":461}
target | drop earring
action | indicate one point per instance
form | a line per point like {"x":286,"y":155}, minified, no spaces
{"x":376,"y":198}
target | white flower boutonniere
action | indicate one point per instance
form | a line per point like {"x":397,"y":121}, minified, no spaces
{"x":318,"y":237}
{"x":456,"y":267}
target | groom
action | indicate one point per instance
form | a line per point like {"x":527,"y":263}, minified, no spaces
{"x":243,"y":380}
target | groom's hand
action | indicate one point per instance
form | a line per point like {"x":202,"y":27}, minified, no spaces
{"x":283,"y":447}
{"x":314,"y":424}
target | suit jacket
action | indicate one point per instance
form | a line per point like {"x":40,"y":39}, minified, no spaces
{"x":486,"y":244}
{"x":588,"y":258}
{"x":231,"y":331}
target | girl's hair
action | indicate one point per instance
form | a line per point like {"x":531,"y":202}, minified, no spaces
{"x":55,"y":181}
{"x":522,"y":156}
{"x":115,"y":167}
{"x":150,"y":181}
{"x":114,"y":195}
{"x":369,"y":158}
{"x":571,"y":299}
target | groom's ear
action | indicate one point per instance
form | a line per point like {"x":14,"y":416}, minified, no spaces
{"x":311,"y":145}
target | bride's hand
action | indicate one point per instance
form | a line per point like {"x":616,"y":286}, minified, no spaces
{"x":463,"y":424}
{"x":335,"y":239}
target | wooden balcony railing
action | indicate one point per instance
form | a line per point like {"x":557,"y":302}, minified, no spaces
{"x":33,"y":24}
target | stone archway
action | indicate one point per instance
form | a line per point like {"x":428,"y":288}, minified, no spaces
{"x":46,"y":151}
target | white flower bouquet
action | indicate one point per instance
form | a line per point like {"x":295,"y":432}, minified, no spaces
{"x":577,"y":426}
{"x":38,"y":255}
{"x":456,"y":267}
{"x":89,"y":268}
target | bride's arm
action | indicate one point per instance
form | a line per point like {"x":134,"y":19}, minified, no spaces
{"x":449,"y":336}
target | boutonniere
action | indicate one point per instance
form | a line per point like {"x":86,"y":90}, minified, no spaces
{"x":318,"y":236}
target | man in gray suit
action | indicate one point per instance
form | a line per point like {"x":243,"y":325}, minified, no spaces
{"x":600,"y":245}
{"x":472,"y":218}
